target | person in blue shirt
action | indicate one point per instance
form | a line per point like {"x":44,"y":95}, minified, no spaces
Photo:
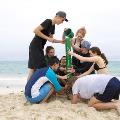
{"x":43,"y":82}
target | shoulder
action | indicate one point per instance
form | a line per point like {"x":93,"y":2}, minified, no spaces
{"x":99,"y":58}
{"x":47,"y":21}
{"x":42,"y":70}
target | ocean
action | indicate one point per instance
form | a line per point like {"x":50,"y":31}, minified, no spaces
{"x":13,"y":75}
{"x":17,"y":69}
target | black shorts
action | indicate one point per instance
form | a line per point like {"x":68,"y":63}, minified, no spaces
{"x":36,"y":58}
{"x":112,"y":91}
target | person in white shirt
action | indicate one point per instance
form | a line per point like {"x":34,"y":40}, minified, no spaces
{"x":101,"y":90}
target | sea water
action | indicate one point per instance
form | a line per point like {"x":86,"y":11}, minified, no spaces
{"x":13,"y":74}
{"x":16,"y":69}
{"x":13,"y":69}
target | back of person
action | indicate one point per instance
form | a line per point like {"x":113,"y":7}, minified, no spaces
{"x":101,"y":64}
{"x":90,"y":84}
{"x":102,"y":71}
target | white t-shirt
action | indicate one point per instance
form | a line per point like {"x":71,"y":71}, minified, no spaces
{"x":37,"y":86}
{"x":88,"y":85}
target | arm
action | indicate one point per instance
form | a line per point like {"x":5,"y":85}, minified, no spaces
{"x":87,"y":72}
{"x":76,"y":98}
{"x":62,"y":78}
{"x":38,"y":32}
{"x":74,"y":46}
{"x":58,"y":41}
{"x":84,"y":59}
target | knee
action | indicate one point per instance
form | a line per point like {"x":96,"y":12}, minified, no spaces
{"x":90,"y":104}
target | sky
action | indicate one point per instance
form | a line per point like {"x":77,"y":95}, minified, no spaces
{"x":19,"y":18}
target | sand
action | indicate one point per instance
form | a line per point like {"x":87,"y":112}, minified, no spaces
{"x":13,"y":106}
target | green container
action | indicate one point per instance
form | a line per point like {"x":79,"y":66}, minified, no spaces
{"x":68,"y":35}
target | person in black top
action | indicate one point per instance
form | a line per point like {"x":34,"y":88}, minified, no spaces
{"x":76,"y":45}
{"x":43,"y":33}
{"x":98,"y":58}
{"x":84,"y":66}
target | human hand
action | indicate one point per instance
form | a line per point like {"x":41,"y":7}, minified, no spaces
{"x":64,"y":77}
{"x":70,"y":52}
{"x":78,"y":76}
{"x":65,"y":29}
{"x":63,"y":41}
{"x":51,"y":39}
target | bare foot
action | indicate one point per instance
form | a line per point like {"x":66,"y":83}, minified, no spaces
{"x":118,"y":107}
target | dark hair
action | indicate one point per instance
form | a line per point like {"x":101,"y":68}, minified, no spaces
{"x":48,"y":48}
{"x":98,"y":52}
{"x":53,"y":60}
{"x":62,"y":58}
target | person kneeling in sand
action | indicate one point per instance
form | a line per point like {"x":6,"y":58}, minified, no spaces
{"x":43,"y":83}
{"x":101,"y":90}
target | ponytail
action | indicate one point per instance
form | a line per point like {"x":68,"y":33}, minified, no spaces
{"x":98,"y":51}
{"x":104,"y":57}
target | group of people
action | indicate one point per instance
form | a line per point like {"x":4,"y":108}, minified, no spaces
{"x":48,"y":75}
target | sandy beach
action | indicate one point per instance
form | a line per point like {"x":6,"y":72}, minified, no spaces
{"x":13,"y":106}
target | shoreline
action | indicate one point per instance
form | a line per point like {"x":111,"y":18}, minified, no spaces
{"x":12,"y":85}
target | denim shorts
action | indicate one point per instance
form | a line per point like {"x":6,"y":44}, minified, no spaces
{"x":43,"y":92}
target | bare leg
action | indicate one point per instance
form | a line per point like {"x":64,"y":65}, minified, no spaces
{"x":101,"y":105}
{"x":30,"y":73}
{"x":109,"y":105}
